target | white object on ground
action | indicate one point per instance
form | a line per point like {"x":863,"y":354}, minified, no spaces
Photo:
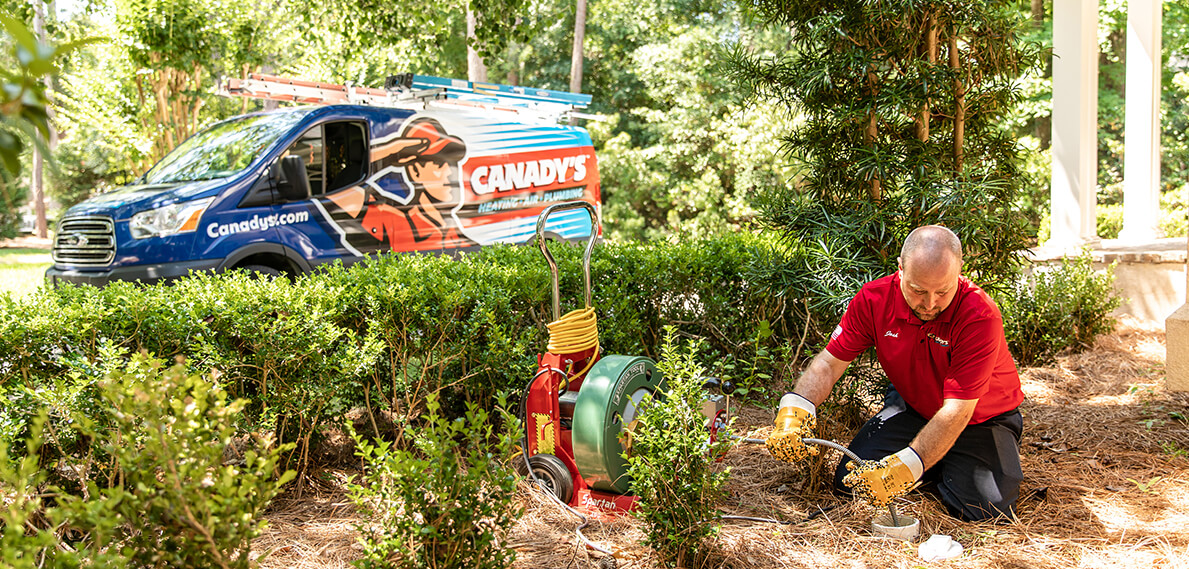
{"x":939,"y":547}
{"x":882,"y":525}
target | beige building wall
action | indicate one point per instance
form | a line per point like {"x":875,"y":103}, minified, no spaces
{"x":1176,"y":358}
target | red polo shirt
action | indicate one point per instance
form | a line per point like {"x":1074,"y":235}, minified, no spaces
{"x":961,"y":354}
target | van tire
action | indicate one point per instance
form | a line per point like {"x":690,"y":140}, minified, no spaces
{"x":262,"y":271}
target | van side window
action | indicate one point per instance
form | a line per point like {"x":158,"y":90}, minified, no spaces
{"x":309,"y":147}
{"x":334,"y":152}
{"x":346,"y":155}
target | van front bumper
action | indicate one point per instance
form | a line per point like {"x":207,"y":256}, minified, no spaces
{"x":146,"y":274}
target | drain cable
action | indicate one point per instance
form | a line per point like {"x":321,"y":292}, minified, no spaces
{"x":573,"y":333}
{"x":849,"y":453}
{"x":607,"y":562}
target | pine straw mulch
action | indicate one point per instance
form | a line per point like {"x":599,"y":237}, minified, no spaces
{"x":1106,"y":462}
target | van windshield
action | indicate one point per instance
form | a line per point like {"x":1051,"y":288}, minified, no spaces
{"x":223,"y":149}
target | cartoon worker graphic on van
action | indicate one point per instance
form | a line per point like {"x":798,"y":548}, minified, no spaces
{"x":428,"y":160}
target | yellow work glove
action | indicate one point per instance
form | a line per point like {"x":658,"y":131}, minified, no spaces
{"x":794,"y":421}
{"x":879,"y":481}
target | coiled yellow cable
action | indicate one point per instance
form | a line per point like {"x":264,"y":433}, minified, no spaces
{"x":575,"y":332}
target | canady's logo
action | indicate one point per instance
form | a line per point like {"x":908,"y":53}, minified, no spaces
{"x":529,"y":174}
{"x":891,"y":334}
{"x":939,"y":341}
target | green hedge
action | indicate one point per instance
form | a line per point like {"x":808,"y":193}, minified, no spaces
{"x":380,"y":334}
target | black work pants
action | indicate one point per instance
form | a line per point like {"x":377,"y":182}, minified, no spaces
{"x":978,"y":479}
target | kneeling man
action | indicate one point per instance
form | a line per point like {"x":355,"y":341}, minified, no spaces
{"x":951,"y":413}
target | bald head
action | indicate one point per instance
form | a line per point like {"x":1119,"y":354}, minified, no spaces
{"x":931,"y":246}
{"x":930,"y":264}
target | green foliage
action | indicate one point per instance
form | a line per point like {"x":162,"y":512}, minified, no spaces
{"x":1109,"y":220}
{"x":100,"y":139}
{"x":385,"y":333}
{"x":672,"y":463}
{"x":903,"y":105}
{"x":23,"y":543}
{"x":429,"y":31}
{"x":691,"y":160}
{"x":14,"y":194}
{"x":25,"y":65}
{"x":178,"y":502}
{"x":1112,"y":44}
{"x":1174,"y":211}
{"x":22,"y":92}
{"x":1058,"y":308}
{"x":752,"y":376}
{"x":178,"y":48}
{"x":447,"y":501}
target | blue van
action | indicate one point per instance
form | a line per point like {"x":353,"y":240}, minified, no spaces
{"x":425,"y":165}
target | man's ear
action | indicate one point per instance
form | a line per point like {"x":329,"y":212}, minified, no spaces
{"x":900,"y":263}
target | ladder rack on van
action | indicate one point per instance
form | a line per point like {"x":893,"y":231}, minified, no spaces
{"x":410,"y":90}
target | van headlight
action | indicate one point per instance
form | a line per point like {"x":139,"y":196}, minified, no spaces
{"x":180,"y":217}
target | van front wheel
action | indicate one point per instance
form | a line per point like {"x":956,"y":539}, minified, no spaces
{"x":261,"y":271}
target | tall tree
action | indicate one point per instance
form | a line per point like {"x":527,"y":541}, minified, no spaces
{"x":25,"y":61}
{"x":181,"y":47}
{"x":576,"y":54}
{"x":38,"y":181}
{"x":903,"y":102}
{"x":432,"y":28}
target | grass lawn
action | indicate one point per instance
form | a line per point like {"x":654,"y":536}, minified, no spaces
{"x":22,"y":270}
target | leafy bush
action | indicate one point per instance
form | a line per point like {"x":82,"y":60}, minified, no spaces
{"x":877,"y":156}
{"x":446,"y":502}
{"x":1174,"y":204}
{"x":1058,"y":308}
{"x":672,"y":463}
{"x":383,"y":334}
{"x":176,"y":502}
{"x":23,"y":544}
{"x":1109,"y":220}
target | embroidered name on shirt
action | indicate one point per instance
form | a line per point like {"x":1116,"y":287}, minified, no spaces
{"x":940,"y":341}
{"x":892,"y":334}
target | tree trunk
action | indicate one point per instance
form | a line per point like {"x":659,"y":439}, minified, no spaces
{"x":577,"y":55}
{"x":514,"y":69}
{"x":476,"y":69}
{"x":959,"y":105}
{"x":870,"y":132}
{"x":37,"y":183}
{"x":930,"y":56}
{"x":1042,"y":127}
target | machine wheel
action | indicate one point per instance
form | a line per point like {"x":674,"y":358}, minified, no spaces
{"x":552,"y":472}
{"x":606,"y":404}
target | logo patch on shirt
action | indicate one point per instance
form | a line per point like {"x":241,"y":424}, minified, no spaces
{"x":836,"y":333}
{"x":891,"y":334}
{"x":940,"y":341}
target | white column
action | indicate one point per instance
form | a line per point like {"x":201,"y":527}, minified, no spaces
{"x":1075,"y":124}
{"x":1141,"y":155}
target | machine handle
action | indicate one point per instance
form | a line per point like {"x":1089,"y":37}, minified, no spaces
{"x":594,"y":231}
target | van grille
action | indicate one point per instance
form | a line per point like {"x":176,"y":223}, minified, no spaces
{"x":86,"y":241}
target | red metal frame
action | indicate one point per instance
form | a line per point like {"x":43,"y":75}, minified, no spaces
{"x":543,"y":424}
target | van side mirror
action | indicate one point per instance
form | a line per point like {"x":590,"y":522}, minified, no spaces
{"x":295,"y":182}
